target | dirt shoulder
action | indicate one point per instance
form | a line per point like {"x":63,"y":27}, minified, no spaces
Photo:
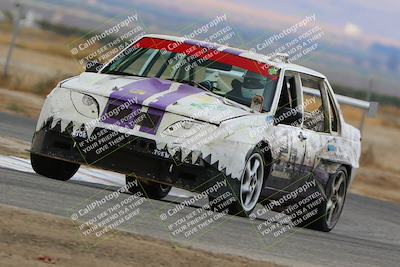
{"x":27,"y":240}
{"x":14,"y":147}
{"x":377,"y":183}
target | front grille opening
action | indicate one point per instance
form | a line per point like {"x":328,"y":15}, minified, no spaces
{"x":134,"y":142}
{"x":152,"y":146}
{"x":63,"y":145}
{"x":187,"y":175}
{"x":142,"y":144}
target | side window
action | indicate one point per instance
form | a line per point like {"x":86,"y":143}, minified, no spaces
{"x":315,"y":114}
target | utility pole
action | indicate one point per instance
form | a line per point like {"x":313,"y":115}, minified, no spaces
{"x":16,"y":19}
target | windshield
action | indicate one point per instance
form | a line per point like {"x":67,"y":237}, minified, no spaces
{"x":226,"y":74}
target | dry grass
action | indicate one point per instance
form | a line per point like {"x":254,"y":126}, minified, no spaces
{"x":20,"y":103}
{"x":32,"y":83}
{"x":379,"y":174}
{"x":39,"y":41}
{"x":39,"y":61}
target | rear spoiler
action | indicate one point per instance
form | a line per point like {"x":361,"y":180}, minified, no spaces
{"x":370,"y":107}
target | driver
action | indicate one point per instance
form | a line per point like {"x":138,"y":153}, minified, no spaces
{"x":253,"y":84}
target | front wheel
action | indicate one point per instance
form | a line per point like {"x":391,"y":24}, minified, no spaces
{"x":248,"y":191}
{"x":148,"y":188}
{"x":53,"y":168}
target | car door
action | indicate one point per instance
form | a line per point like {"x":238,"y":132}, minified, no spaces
{"x":289,"y":141}
{"x":316,"y":123}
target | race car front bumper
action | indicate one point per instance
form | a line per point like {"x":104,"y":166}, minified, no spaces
{"x":127,"y":154}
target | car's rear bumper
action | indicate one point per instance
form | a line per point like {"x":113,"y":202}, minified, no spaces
{"x":132,"y":155}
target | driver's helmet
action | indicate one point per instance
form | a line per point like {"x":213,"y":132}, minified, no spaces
{"x":253,"y":84}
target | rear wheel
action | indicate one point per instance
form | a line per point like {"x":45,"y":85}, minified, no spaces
{"x":53,"y":168}
{"x":329,"y":211}
{"x":247,"y":193}
{"x":148,"y":188}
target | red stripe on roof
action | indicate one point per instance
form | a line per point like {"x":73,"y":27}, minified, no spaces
{"x":207,"y":53}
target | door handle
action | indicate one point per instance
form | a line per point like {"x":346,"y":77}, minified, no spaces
{"x":302,"y":137}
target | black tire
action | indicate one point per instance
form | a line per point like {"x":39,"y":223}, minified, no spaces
{"x":149,"y":189}
{"x":53,"y":168}
{"x":237,"y":205}
{"x":322,"y":220}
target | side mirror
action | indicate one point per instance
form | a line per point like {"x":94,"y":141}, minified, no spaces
{"x":92,"y":66}
{"x":288,"y":116}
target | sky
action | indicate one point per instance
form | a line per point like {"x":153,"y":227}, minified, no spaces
{"x":368,"y":19}
{"x":360,"y":18}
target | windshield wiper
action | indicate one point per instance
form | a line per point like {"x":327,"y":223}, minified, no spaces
{"x":180,"y":81}
{"x":117,"y":72}
{"x":191,"y":83}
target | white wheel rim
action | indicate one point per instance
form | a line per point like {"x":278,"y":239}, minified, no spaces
{"x":252,"y":181}
{"x":335,"y":201}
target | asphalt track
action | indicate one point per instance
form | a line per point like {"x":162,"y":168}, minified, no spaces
{"x":368,"y":233}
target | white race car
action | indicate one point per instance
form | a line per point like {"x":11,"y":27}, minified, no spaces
{"x":208,"y":118}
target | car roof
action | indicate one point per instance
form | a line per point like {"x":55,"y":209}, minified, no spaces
{"x":242,"y":53}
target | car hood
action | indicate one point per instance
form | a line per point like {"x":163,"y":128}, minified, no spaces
{"x":163,"y":95}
